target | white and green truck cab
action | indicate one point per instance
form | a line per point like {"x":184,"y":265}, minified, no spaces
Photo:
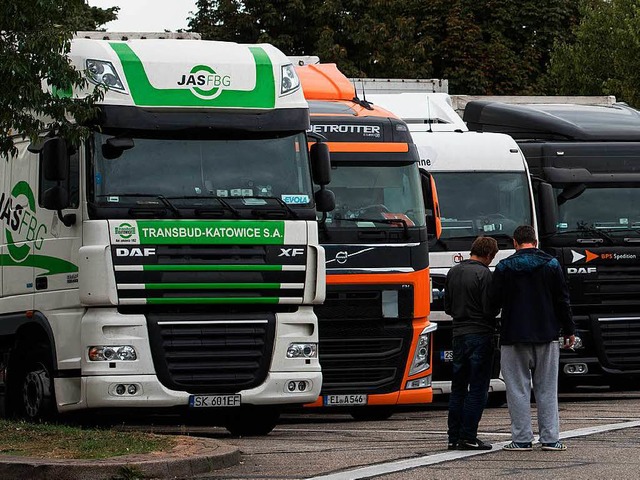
{"x":172,"y":258}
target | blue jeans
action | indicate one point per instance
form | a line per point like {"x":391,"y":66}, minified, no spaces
{"x":472,"y":363}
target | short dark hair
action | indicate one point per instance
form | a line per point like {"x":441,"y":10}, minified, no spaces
{"x":524,"y":234}
{"x":484,"y":247}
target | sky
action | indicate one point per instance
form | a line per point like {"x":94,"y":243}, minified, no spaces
{"x":147,"y":15}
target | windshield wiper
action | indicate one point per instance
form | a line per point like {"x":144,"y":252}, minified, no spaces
{"x":584,"y":227}
{"x":390,"y":221}
{"x":590,"y":228}
{"x":221,"y":200}
{"x":164,"y":200}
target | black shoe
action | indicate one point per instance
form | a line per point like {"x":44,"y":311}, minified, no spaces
{"x":475,"y":444}
{"x":452,"y":446}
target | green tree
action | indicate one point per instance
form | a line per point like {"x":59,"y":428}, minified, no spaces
{"x":604,"y":56}
{"x":480,"y":46}
{"x":34,"y":40}
{"x":365,"y":38}
{"x":496,"y":47}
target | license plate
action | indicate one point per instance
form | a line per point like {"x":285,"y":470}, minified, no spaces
{"x":340,"y":400}
{"x":204,"y":401}
{"x":446,"y":355}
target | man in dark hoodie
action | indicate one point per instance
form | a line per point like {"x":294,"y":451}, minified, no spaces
{"x":467,"y":299}
{"x":532,"y":291}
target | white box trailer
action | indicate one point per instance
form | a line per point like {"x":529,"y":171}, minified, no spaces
{"x":171,"y":259}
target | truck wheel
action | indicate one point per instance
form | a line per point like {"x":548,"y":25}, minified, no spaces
{"x":252,"y":421}
{"x":371,"y":414}
{"x":34,"y":397}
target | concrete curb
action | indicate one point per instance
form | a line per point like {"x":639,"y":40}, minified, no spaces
{"x":191,"y":456}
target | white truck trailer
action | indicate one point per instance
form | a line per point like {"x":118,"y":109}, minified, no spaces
{"x":171,"y":259}
{"x":484,"y":189}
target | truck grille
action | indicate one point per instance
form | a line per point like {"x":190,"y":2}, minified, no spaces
{"x":613,"y":285}
{"x":208,"y":274}
{"x":621,"y":342}
{"x":359,"y":350}
{"x":208,"y":353}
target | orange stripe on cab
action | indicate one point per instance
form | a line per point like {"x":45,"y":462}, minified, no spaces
{"x":382,"y":147}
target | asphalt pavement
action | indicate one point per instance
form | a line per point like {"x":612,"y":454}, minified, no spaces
{"x":601,"y":430}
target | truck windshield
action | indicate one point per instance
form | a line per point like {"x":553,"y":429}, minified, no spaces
{"x":179,"y":173}
{"x":374,"y":195}
{"x":610,"y":209}
{"x":482,"y":203}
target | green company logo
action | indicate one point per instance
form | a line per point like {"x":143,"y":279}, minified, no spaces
{"x":125,"y":231}
{"x":201,"y":87}
{"x":204,"y":82}
{"x":21,"y":224}
{"x":25,"y":234}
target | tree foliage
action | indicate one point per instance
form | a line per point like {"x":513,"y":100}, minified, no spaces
{"x":364,"y":37}
{"x":604,"y":56}
{"x":480,"y":46}
{"x":34,"y":40}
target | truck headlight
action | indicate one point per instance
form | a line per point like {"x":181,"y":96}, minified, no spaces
{"x":102,"y":72}
{"x":421,"y":357}
{"x":111,"y":353}
{"x":302,"y":350}
{"x":290,"y":81}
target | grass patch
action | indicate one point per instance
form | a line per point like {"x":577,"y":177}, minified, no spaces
{"x":47,"y":440}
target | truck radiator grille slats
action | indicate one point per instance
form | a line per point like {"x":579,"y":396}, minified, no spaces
{"x":621,"y":342}
{"x":208,"y":274}
{"x":361,"y":351}
{"x":614,"y":285}
{"x":203,"y":353}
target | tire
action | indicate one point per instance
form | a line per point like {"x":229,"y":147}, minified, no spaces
{"x":372,"y":414}
{"x":252,"y":421}
{"x":33,"y":396}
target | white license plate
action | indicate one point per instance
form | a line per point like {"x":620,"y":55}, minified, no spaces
{"x":339,"y":400}
{"x":446,"y":355}
{"x":204,"y":401}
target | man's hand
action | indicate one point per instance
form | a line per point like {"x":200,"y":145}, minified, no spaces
{"x":569,"y":342}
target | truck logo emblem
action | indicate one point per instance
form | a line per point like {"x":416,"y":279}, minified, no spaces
{"x":581,"y":270}
{"x":135,"y":252}
{"x":204,"y":82}
{"x":457,"y":258}
{"x":342,"y":257}
{"x":125,"y":230}
{"x":291,"y":252}
{"x":587,"y":254}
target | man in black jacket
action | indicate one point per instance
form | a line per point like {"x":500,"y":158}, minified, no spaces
{"x":531,"y":289}
{"x":467,"y":299}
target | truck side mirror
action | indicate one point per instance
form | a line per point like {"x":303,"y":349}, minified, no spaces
{"x":547,"y":209}
{"x":325,"y":200}
{"x":431,"y":204}
{"x":55,"y":198}
{"x":114,"y":147}
{"x":320,"y":163}
{"x":55,"y":168}
{"x":55,"y":159}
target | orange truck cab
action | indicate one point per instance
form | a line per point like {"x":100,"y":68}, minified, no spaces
{"x":375,"y":339}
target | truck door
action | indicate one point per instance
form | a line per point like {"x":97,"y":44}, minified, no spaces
{"x":18,"y":215}
{"x":57,"y":245}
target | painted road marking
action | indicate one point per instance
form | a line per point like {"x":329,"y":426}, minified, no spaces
{"x":411,"y":463}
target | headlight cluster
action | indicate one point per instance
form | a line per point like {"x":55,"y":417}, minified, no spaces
{"x":421,"y":358}
{"x":290,"y":81}
{"x":302,"y":350}
{"x":104,"y":73}
{"x":111,"y":353}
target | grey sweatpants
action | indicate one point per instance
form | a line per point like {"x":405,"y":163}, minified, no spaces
{"x":521,"y":363}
